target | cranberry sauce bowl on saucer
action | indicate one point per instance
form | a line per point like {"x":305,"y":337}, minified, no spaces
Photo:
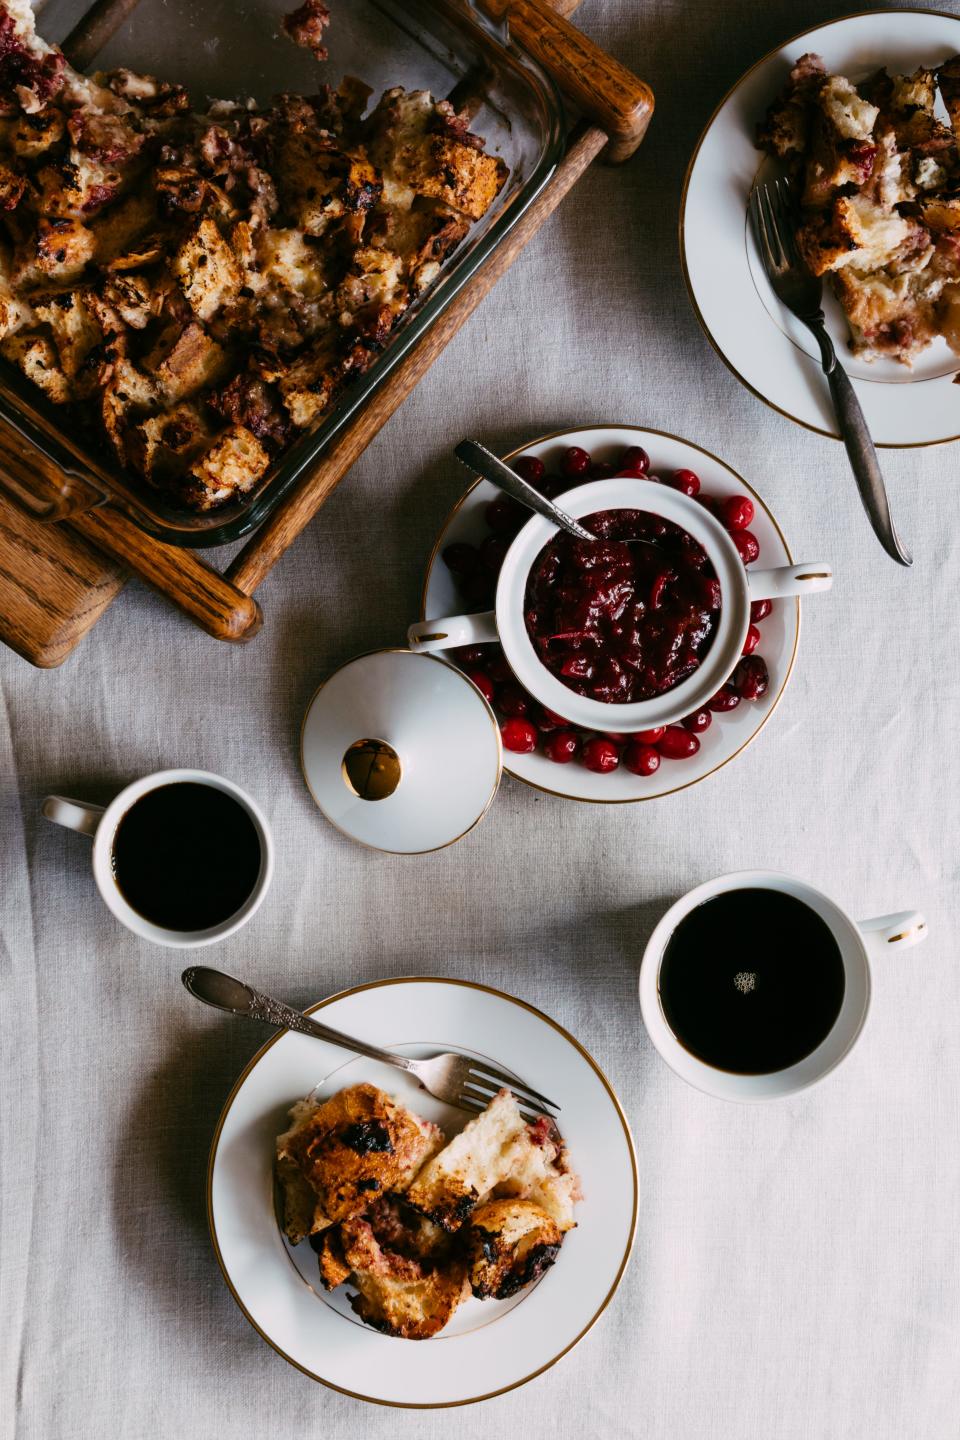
{"x":658,"y":627}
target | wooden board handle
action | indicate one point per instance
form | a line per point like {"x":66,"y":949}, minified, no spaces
{"x":601,"y":88}
{"x":211,"y":601}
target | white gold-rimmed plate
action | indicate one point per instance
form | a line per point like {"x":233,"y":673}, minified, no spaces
{"x":489,"y":1346}
{"x":759,"y":339}
{"x":729,"y":733}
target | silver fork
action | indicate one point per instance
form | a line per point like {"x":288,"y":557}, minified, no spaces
{"x":771,"y":209}
{"x":456,"y":1079}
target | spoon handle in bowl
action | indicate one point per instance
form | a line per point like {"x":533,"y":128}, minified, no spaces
{"x":483,"y":462}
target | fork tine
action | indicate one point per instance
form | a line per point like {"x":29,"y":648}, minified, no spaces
{"x":475,"y":1088}
{"x":760,"y":227}
{"x":785,"y":221}
{"x":771,"y":228}
{"x":479,"y":1069}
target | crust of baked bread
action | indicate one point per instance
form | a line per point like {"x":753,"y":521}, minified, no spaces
{"x":509,"y":1244}
{"x":359,"y":1144}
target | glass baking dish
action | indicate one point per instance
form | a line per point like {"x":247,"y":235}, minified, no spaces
{"x":231,"y":50}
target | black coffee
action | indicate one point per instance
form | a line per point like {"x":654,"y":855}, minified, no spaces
{"x":751,"y":981}
{"x":186,"y":856}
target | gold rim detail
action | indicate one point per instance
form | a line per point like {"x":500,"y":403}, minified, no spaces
{"x":500,"y":995}
{"x":665,"y":435}
{"x":792,"y":40}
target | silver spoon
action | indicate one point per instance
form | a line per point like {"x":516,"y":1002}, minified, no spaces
{"x":482,"y":461}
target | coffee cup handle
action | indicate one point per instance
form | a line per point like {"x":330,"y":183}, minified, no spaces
{"x":74,"y":814}
{"x":900,"y":931}
{"x":788,"y":580}
{"x":453,"y":631}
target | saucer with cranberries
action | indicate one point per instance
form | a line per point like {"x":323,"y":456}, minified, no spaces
{"x":540,"y":747}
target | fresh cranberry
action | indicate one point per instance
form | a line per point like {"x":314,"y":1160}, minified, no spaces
{"x":575,"y":462}
{"x":529,"y":468}
{"x":519,"y":735}
{"x":562,"y":746}
{"x":471,"y":654}
{"x":649,"y":737}
{"x":699,"y":721}
{"x":482,"y":681}
{"x":725,"y":699}
{"x":736,"y":512}
{"x":460,"y":558}
{"x":751,"y":677}
{"x":601,"y":755}
{"x":685,"y":481}
{"x":747,"y":544}
{"x":553,"y":719}
{"x":493,"y":551}
{"x":677,"y":744}
{"x":752,"y":640}
{"x":641,"y":759}
{"x":513,"y":700}
{"x":505,"y":515}
{"x":759,"y":610}
{"x":635,"y":458}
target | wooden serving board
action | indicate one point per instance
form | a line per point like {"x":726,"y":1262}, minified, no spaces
{"x":56,"y":579}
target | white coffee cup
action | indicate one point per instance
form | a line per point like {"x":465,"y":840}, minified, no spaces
{"x":101,"y":825}
{"x":859,"y":943}
{"x":738,"y":588}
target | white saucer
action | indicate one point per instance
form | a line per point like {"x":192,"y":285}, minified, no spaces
{"x":730,"y":733}
{"x":762,"y":343}
{"x":490,"y":1346}
{"x":440,"y":751}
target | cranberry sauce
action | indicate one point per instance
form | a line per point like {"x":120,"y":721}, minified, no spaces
{"x":620,"y":623}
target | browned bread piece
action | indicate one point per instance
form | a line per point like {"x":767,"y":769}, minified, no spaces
{"x":421,"y":148}
{"x":400,"y":1294}
{"x":359,"y":1144}
{"x":786,"y":127}
{"x":497,"y":1153}
{"x":509,"y":1244}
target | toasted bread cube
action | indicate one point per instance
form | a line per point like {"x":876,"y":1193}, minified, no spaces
{"x":163,"y":446}
{"x":940,"y":213}
{"x":417,"y":151}
{"x":333,"y":1266}
{"x":309,"y":384}
{"x":231,"y":467}
{"x":207,"y":270}
{"x":33,"y":135}
{"x":288,"y":261}
{"x":35,"y":355}
{"x":319,"y":182}
{"x":399,"y":1294}
{"x":510,"y":1243}
{"x":186,"y":365}
{"x":75,"y":331}
{"x":63,"y":248}
{"x":12,"y":188}
{"x":117,"y":228}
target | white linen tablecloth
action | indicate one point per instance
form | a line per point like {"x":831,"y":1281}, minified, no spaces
{"x":795,"y":1275}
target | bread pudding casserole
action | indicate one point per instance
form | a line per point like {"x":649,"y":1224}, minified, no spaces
{"x":415,"y":1224}
{"x":196,"y":289}
{"x":877,"y":175}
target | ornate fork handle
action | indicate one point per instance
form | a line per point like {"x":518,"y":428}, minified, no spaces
{"x":284,"y":1017}
{"x":856,"y":437}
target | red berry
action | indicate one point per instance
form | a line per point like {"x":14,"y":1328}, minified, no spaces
{"x":460,"y":559}
{"x":686,"y":481}
{"x":699,"y":721}
{"x":747,"y":544}
{"x":529,"y":468}
{"x":482,"y":681}
{"x":513,"y":700}
{"x":677,"y":743}
{"x":641,"y":759}
{"x":752,"y":640}
{"x":759,"y":610}
{"x":505,"y":515}
{"x":601,"y":755}
{"x":575,"y":462}
{"x":493,"y":551}
{"x":725,"y":699}
{"x":751,"y":677}
{"x":554,"y":719}
{"x":736,"y":512}
{"x":471,"y":654}
{"x":519,"y":736}
{"x":649,"y":737}
{"x":635,"y":458}
{"x":562,"y":746}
